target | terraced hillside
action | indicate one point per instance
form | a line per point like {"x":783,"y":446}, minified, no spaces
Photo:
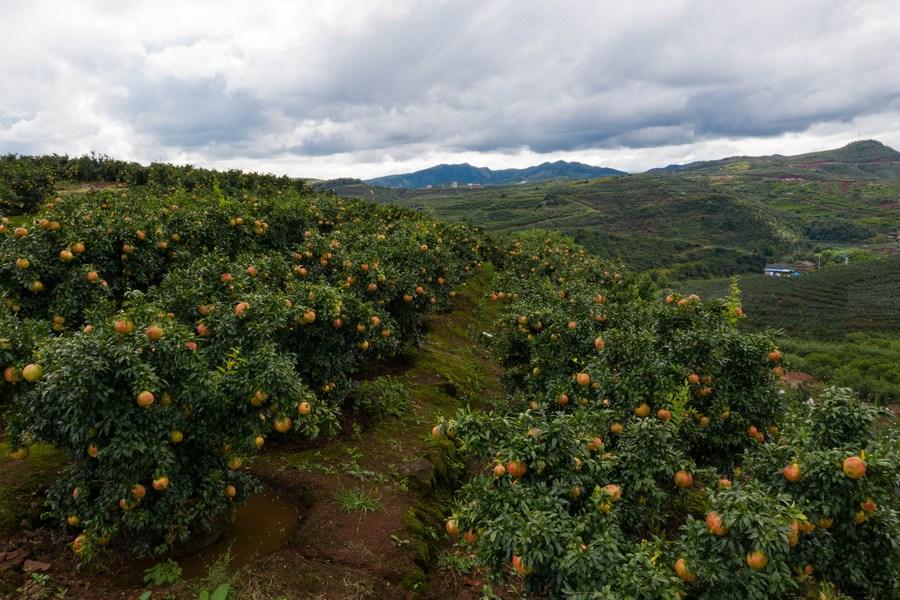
{"x":859,"y":182}
{"x":861,"y":297}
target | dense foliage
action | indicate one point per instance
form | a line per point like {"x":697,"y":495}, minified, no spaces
{"x":26,"y":181}
{"x":650,"y":453}
{"x":23,"y":185}
{"x":161,"y":338}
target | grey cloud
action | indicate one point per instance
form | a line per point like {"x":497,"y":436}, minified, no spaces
{"x":189,"y":114}
{"x":744,"y":111}
{"x":725,"y":79}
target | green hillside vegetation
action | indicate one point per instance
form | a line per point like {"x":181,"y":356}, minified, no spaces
{"x":650,"y":222}
{"x":841,"y":324}
{"x":859,"y":183}
{"x":702,"y":220}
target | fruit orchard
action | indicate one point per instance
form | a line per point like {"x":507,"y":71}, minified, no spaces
{"x":160,"y":336}
{"x":649,"y":452}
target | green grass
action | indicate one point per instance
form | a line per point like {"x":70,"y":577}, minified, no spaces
{"x":357,"y":501}
{"x":382,"y":396}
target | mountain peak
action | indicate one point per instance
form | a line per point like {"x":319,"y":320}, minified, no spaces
{"x":868,"y":150}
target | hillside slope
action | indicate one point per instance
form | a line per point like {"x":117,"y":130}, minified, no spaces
{"x":859,"y":182}
{"x":833,"y":302}
{"x":706,"y":219}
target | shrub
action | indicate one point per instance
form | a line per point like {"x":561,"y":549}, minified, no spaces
{"x":24,"y":185}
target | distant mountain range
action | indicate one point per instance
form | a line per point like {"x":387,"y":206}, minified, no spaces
{"x":465,"y":174}
{"x":849,"y":159}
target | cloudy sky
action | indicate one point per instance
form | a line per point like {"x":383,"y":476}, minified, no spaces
{"x":364,"y":88}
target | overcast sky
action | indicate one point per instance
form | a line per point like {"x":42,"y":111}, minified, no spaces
{"x":364,"y":88}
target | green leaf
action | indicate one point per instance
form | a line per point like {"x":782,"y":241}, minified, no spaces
{"x":221,"y":592}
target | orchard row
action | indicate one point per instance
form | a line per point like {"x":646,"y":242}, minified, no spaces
{"x":161,"y":340}
{"x":649,"y":451}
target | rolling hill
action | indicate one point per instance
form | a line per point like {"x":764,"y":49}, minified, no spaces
{"x":705,"y":219}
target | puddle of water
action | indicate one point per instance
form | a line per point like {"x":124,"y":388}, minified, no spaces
{"x":259,"y":528}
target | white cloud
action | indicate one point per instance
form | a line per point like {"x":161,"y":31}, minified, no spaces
{"x":201,"y":60}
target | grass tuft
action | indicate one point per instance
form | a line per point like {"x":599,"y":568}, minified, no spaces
{"x":357,"y":501}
